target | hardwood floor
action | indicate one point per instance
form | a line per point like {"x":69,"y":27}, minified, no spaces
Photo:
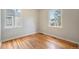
{"x":38,"y":41}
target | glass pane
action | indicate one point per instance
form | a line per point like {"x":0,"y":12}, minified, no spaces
{"x":55,"y":17}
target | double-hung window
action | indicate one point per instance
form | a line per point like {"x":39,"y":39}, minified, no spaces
{"x":10,"y":17}
{"x":55,"y":18}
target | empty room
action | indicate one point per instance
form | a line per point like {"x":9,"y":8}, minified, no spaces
{"x":39,"y":28}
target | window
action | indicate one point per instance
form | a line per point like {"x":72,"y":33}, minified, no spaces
{"x":10,"y":17}
{"x":55,"y":18}
{"x":9,"y":22}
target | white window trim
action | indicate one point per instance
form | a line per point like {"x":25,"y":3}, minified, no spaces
{"x":50,"y":22}
{"x":13,"y":21}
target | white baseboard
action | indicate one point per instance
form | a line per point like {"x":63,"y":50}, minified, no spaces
{"x":19,"y":36}
{"x":61,"y":38}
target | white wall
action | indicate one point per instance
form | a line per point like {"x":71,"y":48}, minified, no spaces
{"x":0,"y":27}
{"x":29,"y":19}
{"x":70,"y":25}
{"x":0,"y":24}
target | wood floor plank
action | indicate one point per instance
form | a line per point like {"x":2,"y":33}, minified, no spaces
{"x":39,"y":41}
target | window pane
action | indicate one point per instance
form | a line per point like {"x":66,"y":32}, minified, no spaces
{"x":55,"y":17}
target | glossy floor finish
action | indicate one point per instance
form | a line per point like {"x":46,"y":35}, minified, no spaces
{"x":38,"y":41}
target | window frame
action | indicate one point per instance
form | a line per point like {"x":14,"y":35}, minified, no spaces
{"x":49,"y":23}
{"x":13,"y":19}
